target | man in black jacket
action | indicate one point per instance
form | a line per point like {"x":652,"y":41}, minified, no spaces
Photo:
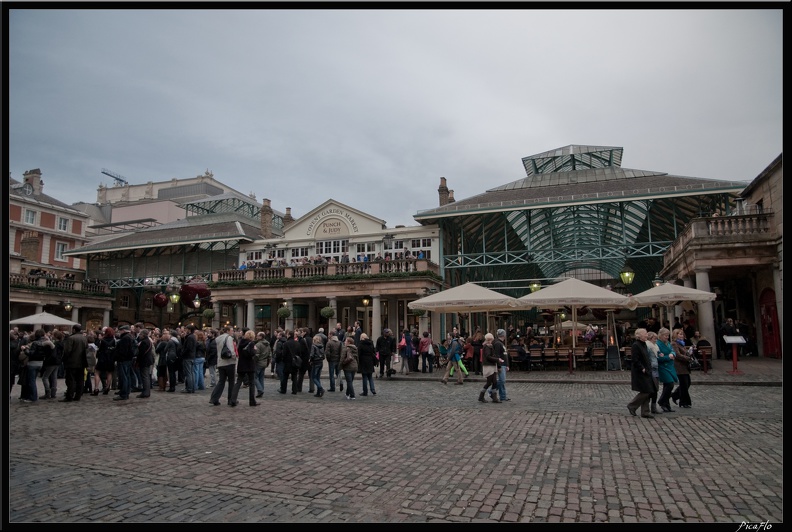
{"x":386,"y":346}
{"x":291,"y":348}
{"x":75,"y":360}
{"x":188,"y":359}
{"x":124,"y":353}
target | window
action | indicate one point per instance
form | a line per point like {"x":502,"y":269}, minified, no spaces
{"x":332,"y":248}
{"x":63,"y":224}
{"x":30,"y":217}
{"x":299,"y":252}
{"x":254,"y":255}
{"x":124,"y":301}
{"x":148,"y":303}
{"x":60,"y":249}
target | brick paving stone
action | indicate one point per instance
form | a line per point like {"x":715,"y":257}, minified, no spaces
{"x":559,"y":456}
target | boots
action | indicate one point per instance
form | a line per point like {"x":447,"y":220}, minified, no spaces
{"x":655,"y":410}
{"x":495,"y":398}
{"x":161,"y":382}
{"x":481,"y":397}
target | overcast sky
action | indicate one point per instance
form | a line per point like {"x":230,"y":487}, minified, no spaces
{"x":371,"y":108}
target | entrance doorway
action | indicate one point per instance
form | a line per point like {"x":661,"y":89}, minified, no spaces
{"x":771,"y":343}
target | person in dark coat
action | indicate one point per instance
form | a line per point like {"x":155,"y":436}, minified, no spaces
{"x":386,"y":347}
{"x":189,"y":347}
{"x":144,"y":361}
{"x":641,"y":379}
{"x":105,"y":359}
{"x":246,"y":368}
{"x":366,"y":363}
{"x":75,"y":360}
{"x":291,"y":348}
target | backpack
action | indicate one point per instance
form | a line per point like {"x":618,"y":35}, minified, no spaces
{"x":110,"y":350}
{"x":225,"y":351}
{"x":317,"y":354}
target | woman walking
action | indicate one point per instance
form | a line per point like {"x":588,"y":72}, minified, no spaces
{"x":489,"y":369}
{"x":366,"y":362}
{"x":349,"y":364}
{"x":317,"y":357}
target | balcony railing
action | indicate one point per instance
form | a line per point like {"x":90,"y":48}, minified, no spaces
{"x":323,"y":270}
{"x":746,"y":228}
{"x":55,"y":283}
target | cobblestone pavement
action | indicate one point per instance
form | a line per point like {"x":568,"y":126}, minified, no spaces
{"x":561,"y":450}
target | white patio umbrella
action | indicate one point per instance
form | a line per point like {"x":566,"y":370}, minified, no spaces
{"x":569,"y":325}
{"x":43,"y":318}
{"x":574,"y":293}
{"x":468,"y":297}
{"x":669,"y":295}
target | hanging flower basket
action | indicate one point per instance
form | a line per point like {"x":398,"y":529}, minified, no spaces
{"x":284,"y":312}
{"x":327,"y":312}
{"x":418,"y":312}
{"x":208,"y":313}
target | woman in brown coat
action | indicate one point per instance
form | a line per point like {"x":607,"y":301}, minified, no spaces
{"x":681,"y":395}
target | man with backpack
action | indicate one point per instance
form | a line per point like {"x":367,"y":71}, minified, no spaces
{"x":226,"y":366}
{"x":454,"y":360}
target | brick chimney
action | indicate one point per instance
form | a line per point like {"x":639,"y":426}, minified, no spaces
{"x":442,"y":191}
{"x":34,"y":178}
{"x":451,"y":196}
{"x":266,"y":218}
{"x":30,"y":246}
{"x":287,"y":218}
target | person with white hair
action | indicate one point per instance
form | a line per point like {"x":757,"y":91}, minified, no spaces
{"x":489,"y":368}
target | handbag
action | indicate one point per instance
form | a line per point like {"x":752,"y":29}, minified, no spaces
{"x":402,"y":343}
{"x":430,"y":351}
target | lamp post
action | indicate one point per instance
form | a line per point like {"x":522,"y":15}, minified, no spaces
{"x":535,"y":286}
{"x":657,"y":281}
{"x":68,"y":305}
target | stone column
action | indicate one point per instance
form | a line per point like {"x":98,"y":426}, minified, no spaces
{"x":75,"y":316}
{"x":217,"y":310}
{"x":106,"y":318}
{"x":239,"y":318}
{"x":312,"y":316}
{"x":289,"y":322}
{"x":705,"y":316}
{"x":251,"y":314}
{"x":376,"y":318}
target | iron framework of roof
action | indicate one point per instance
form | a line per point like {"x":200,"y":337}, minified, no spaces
{"x":547,"y":239}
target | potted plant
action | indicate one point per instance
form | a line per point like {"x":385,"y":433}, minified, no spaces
{"x":327,"y":312}
{"x":284,"y":312}
{"x":209,"y":313}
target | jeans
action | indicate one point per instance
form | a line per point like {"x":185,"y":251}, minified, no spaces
{"x":136,"y":379}
{"x":427,"y":360}
{"x":385,"y":365}
{"x":32,"y":385}
{"x":212,"y":375}
{"x":50,"y":379}
{"x":368,"y":382}
{"x":224,"y":373}
{"x":124,"y":368}
{"x":316,"y":374}
{"x":502,"y":383}
{"x":258,"y":378}
{"x":332,"y":368}
{"x":189,"y":375}
{"x":198,"y":373}
{"x":350,"y":378}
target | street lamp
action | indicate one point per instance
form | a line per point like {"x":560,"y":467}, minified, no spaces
{"x":535,"y":286}
{"x":657,"y":280}
{"x":366,"y":301}
{"x":627,"y":275}
{"x":197,"y":301}
{"x":68,"y":305}
{"x":174,"y":297}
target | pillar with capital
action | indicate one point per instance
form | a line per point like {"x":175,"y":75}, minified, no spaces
{"x":75,"y":314}
{"x":289,"y":322}
{"x":376,"y":318}
{"x":106,"y":318}
{"x":216,"y":318}
{"x":251,"y":314}
{"x":706,"y":317}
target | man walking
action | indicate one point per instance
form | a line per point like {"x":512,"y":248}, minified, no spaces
{"x":641,"y":379}
{"x":499,"y":346}
{"x":124,"y":352}
{"x":226,"y":366}
{"x":75,"y":360}
{"x":188,"y":359}
{"x":386,"y":346}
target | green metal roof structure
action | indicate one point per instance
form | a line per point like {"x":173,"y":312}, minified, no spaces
{"x":577,"y":210}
